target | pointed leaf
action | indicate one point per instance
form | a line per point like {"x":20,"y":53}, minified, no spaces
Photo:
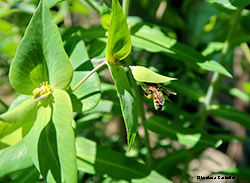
{"x":50,"y":3}
{"x":29,"y":174}
{"x":31,"y":140}
{"x":229,"y":6}
{"x":127,"y":101}
{"x":106,"y":161}
{"x":143,"y":74}
{"x":23,"y":114}
{"x":62,"y":118}
{"x":20,"y":99}
{"x":87,"y":96}
{"x":14,"y":158}
{"x":154,"y":40}
{"x":105,"y":16}
{"x":51,"y":141}
{"x":40,"y":55}
{"x":119,"y":41}
{"x":94,"y":159}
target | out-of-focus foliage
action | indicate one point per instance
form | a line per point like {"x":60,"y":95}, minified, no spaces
{"x":105,"y":130}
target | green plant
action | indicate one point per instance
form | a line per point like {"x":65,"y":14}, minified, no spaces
{"x":45,"y":133}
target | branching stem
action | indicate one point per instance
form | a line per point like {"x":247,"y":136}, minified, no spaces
{"x":87,"y":76}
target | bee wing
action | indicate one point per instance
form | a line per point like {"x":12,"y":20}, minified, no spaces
{"x":167,"y":91}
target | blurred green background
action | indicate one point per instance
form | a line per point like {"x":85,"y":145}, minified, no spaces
{"x":223,"y":142}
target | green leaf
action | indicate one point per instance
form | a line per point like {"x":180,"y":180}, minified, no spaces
{"x":185,"y":136}
{"x":14,"y":158}
{"x":240,"y":94}
{"x":29,"y":174}
{"x":105,"y":16}
{"x":87,"y":96}
{"x":246,"y":86}
{"x":20,"y":99}
{"x":111,"y":163}
{"x":127,"y":101}
{"x":97,"y":49}
{"x":51,"y":140}
{"x":85,"y":166}
{"x":32,"y":139}
{"x":64,"y":136}
{"x":229,"y":6}
{"x":212,"y":48}
{"x":119,"y":41}
{"x":143,"y":74}
{"x":40,"y":56}
{"x":86,"y":121}
{"x":22,"y":116}
{"x":154,"y":40}
{"x":50,"y":3}
{"x":214,"y":66}
{"x":231,"y":114}
{"x":25,"y":112}
{"x":6,"y":12}
{"x":93,"y":159}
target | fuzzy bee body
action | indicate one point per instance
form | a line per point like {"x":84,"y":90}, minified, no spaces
{"x":158,"y":100}
{"x":158,"y":93}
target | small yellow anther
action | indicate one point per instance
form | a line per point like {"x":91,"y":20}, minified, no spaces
{"x":43,"y":92}
{"x":36,"y":92}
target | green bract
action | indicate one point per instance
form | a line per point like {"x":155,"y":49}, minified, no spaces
{"x":40,"y":56}
{"x":42,"y":68}
{"x":119,"y":41}
{"x":142,"y":74}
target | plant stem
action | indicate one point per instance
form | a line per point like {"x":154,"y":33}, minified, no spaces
{"x":4,"y":104}
{"x":214,"y":85}
{"x":97,"y":60}
{"x":125,"y":7}
{"x":88,"y":75}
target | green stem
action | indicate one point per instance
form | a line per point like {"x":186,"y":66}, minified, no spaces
{"x":87,"y":76}
{"x":4,"y":104}
{"x":125,"y":7}
{"x":214,"y":85}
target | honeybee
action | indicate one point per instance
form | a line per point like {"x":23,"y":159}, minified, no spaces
{"x":158,"y":92}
